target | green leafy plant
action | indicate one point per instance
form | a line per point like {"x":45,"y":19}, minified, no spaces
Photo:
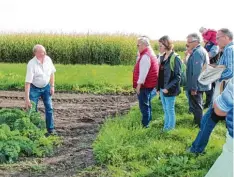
{"x":127,"y":149}
{"x":22,"y":134}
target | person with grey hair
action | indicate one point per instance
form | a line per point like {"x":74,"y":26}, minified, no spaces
{"x":198,"y":58}
{"x":39,"y":83}
{"x":210,"y":119}
{"x":145,"y":77}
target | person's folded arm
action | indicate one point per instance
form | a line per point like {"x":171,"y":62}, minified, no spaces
{"x":224,"y":102}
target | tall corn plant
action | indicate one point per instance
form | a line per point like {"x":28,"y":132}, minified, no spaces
{"x":70,"y":49}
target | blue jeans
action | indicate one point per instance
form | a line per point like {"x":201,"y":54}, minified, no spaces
{"x":153,"y":93}
{"x":207,"y":126}
{"x":168,"y":104}
{"x":44,"y":93}
{"x":144,"y":99}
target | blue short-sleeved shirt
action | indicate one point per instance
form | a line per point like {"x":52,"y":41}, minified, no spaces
{"x":225,"y":104}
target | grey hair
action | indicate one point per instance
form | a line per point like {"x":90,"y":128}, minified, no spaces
{"x":38,"y":46}
{"x":202,"y":29}
{"x":145,"y":40}
{"x":195,"y":37}
{"x":227,"y":32}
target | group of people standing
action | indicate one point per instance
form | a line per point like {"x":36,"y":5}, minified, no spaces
{"x":164,"y":73}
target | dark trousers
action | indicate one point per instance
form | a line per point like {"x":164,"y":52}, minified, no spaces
{"x":144,"y":99}
{"x":196,"y":105}
{"x":209,"y":95}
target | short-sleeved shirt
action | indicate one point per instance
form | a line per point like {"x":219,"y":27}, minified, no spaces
{"x":225,"y":104}
{"x":39,"y":74}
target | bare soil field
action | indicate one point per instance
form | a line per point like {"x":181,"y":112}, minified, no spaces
{"x":77,"y":120}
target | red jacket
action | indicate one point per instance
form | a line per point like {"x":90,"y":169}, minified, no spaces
{"x":210,"y":35}
{"x":152,"y":76}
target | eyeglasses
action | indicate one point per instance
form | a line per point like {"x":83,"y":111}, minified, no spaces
{"x":218,"y":37}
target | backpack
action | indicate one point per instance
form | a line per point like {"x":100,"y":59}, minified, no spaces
{"x":183,"y":69}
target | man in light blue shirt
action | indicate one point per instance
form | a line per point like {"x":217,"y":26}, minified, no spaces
{"x":210,"y":119}
{"x":223,"y":106}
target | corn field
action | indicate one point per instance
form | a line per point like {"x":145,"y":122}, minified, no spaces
{"x":74,"y":48}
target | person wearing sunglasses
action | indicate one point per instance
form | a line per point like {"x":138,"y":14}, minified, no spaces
{"x":198,"y":58}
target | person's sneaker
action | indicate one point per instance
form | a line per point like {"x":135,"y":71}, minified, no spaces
{"x":188,"y":150}
{"x":53,"y":133}
{"x":147,"y":126}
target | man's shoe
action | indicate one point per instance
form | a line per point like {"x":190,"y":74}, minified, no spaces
{"x":53,"y":133}
{"x":188,"y":150}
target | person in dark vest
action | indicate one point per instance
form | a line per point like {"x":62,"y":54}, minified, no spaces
{"x":145,"y":78}
{"x":169,"y":81}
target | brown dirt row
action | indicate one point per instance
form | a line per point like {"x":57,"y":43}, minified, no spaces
{"x":77,"y":121}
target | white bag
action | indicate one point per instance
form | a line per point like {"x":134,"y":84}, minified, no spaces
{"x":210,"y":74}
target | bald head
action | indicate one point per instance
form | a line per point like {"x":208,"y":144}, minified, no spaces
{"x":144,"y":40}
{"x":39,"y":47}
{"x":39,"y":51}
{"x":224,"y":37}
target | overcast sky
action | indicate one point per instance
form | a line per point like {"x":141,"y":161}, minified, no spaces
{"x":154,"y":18}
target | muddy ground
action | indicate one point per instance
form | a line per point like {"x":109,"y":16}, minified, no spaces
{"x":77,"y":119}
